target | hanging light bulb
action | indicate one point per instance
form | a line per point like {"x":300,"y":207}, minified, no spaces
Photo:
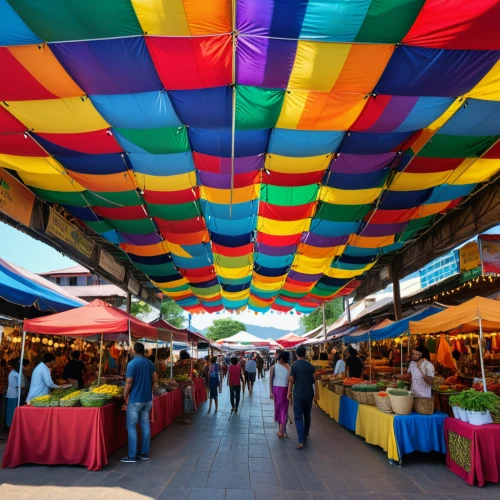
{"x":56,"y":345}
{"x":45,"y":341}
{"x":51,"y":342}
{"x":72,"y":346}
{"x":38,"y":340}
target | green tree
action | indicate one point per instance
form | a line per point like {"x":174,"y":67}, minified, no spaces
{"x":333,"y":310}
{"x":222,"y":328}
{"x":172,"y":313}
{"x":139,"y":307}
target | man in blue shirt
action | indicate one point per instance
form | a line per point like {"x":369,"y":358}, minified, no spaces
{"x":41,"y":380}
{"x":138,"y":394}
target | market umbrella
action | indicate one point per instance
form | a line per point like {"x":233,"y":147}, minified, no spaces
{"x":290,"y":340}
{"x":92,"y":320}
{"x":273,"y":344}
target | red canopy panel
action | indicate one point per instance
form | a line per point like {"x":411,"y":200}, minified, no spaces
{"x":95,"y":318}
{"x":290,"y":340}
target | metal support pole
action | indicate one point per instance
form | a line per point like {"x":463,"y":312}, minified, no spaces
{"x":324,"y":320}
{"x":129,"y":338}
{"x":347,"y":309}
{"x":370,"y":354}
{"x":156,"y":354}
{"x":129,"y":302}
{"x":100,"y":362}
{"x":171,"y":356}
{"x":21,"y":368}
{"x":396,"y":291}
{"x":401,"y":355}
{"x":480,"y":346}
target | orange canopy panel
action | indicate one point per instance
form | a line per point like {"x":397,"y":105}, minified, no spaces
{"x":95,"y":318}
{"x":290,"y":340}
{"x":465,"y":315}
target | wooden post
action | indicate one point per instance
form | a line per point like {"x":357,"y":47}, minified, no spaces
{"x":129,"y":302}
{"x":480,"y":353}
{"x":100,"y":362}
{"x":396,"y":291}
{"x":171,"y":356}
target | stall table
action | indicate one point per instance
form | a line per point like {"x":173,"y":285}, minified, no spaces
{"x":398,"y":435}
{"x":199,"y":392}
{"x":473,"y":452}
{"x":78,"y":436}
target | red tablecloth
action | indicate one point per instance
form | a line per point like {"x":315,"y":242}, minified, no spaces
{"x":78,"y":436}
{"x":476,"y":448}
{"x":199,"y":392}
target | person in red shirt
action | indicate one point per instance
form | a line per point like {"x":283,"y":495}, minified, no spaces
{"x":234,"y":383}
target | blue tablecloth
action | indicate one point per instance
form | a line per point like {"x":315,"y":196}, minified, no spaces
{"x":416,"y":432}
{"x":348,"y":413}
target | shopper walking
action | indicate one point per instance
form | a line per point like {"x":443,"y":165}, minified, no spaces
{"x":278,"y":388}
{"x":251,"y":372}
{"x":15,"y":379}
{"x":141,"y":379}
{"x":260,"y":366}
{"x":243,"y":365}
{"x":234,"y":382}
{"x":214,"y":384}
{"x":305,"y":389}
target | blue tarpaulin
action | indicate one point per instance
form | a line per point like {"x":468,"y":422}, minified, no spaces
{"x":22,"y":288}
{"x":395,"y":329}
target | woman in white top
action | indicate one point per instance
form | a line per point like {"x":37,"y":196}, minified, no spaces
{"x":278,"y":381}
{"x":12,"y":393}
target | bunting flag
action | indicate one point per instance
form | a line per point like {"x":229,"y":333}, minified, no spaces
{"x":263,"y":161}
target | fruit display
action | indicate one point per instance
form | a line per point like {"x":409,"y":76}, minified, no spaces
{"x":41,"y":401}
{"x":181,"y":378}
{"x":61,"y":393}
{"x":350,"y":381}
{"x":318,"y":364}
{"x":72,"y":399}
{"x":112,"y":390}
{"x":379,"y":362}
{"x":382,"y":369}
{"x":95,"y":399}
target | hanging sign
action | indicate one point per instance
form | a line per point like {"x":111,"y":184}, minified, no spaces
{"x":109,"y":264}
{"x":470,"y":262}
{"x":60,"y":228}
{"x":16,"y":200}
{"x":490,"y":253}
{"x":134,"y":286}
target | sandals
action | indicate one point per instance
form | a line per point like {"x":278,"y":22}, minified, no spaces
{"x":280,"y":436}
{"x":299,"y":446}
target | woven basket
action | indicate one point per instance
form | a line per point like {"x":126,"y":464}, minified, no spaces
{"x":495,"y":415}
{"x":338,"y":389}
{"x":359,"y":397}
{"x":423,"y":406}
{"x":349,"y":392}
{"x":383,"y":403}
{"x":370,"y":398}
{"x":70,"y":402}
{"x":401,"y":405}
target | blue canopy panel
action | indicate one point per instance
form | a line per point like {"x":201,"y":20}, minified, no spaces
{"x":21,"y":289}
{"x":395,"y":329}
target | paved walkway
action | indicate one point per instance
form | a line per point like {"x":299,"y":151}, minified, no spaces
{"x":225,"y":457}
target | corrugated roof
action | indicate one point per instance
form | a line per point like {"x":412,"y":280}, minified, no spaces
{"x":67,"y":270}
{"x":96,"y":291}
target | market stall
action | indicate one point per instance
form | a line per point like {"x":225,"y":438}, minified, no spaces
{"x":290,"y":340}
{"x":398,"y":435}
{"x":94,"y":417}
{"x":473,"y":441}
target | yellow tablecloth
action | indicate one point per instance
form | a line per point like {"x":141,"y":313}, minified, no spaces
{"x":377,"y":428}
{"x":329,"y":402}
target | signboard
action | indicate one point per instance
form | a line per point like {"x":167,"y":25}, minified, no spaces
{"x":469,"y":257}
{"x":490,"y":253}
{"x":470,"y":274}
{"x":60,"y":228}
{"x":16,"y":200}
{"x":109,"y":264}
{"x":134,"y":286}
{"x":144,"y":294}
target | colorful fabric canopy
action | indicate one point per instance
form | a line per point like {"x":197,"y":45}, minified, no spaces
{"x":92,"y":320}
{"x":464,"y":316}
{"x":265,"y":160}
{"x":23,"y":288}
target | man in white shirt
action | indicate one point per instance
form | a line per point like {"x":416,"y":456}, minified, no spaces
{"x":41,"y":381}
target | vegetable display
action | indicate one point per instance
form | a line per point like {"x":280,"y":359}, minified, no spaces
{"x":472,"y":400}
{"x":95,"y":399}
{"x":112,"y":390}
{"x":350,"y":381}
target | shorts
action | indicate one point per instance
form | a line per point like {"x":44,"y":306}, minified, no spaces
{"x":214,"y":392}
{"x":251,"y":376}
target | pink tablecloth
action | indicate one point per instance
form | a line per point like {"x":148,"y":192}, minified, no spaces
{"x":473,"y":452}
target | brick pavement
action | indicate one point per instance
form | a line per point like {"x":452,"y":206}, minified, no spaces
{"x":227,"y":457}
